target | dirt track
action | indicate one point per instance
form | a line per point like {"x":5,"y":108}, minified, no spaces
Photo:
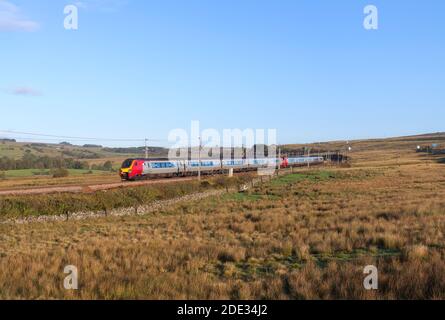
{"x":88,"y":188}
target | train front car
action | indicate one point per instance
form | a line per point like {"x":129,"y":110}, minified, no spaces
{"x":131,"y":169}
{"x":125,"y":169}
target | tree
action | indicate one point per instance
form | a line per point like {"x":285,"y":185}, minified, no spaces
{"x":108,"y":166}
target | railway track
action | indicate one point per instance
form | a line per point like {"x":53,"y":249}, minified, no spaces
{"x":85,"y":188}
{"x":89,"y":188}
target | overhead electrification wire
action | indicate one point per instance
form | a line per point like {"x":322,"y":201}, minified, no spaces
{"x":56,"y":137}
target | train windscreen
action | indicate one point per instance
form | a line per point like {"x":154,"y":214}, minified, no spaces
{"x":127,"y":163}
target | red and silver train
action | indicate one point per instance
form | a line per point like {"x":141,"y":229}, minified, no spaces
{"x":138,"y":169}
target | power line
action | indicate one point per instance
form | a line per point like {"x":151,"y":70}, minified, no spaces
{"x":35,"y":139}
{"x":73,"y":138}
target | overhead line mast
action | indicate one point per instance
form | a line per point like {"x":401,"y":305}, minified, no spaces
{"x":199,"y":159}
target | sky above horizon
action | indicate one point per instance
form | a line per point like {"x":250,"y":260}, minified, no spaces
{"x":137,"y":69}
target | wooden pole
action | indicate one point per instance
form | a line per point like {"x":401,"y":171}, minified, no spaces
{"x":199,"y":159}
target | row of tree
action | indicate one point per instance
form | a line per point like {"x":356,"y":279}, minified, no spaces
{"x":31,"y":161}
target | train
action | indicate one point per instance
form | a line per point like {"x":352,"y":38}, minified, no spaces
{"x":139,"y":169}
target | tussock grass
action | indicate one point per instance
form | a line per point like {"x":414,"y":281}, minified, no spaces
{"x":297,"y":237}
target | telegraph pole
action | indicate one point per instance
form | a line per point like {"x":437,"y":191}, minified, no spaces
{"x":308,"y":156}
{"x":146,"y":149}
{"x":199,"y":159}
{"x":348,"y":150}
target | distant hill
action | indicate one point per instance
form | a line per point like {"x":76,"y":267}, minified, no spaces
{"x":16,"y":150}
{"x":155,"y":151}
{"x":394,"y":143}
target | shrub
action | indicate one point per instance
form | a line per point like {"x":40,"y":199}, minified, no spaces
{"x":229,"y":254}
{"x":59,"y":173}
{"x":205,"y":184}
{"x":224,"y":182}
{"x":415,"y":252}
{"x":108,"y":166}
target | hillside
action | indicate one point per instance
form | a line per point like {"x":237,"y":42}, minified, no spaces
{"x":405,"y":142}
{"x":17,"y":150}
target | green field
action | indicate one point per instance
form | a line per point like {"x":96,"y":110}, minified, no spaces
{"x":46,"y":172}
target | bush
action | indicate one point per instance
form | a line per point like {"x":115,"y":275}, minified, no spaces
{"x":59,"y":173}
{"x":106,"y":166}
{"x":223,"y":181}
{"x":205,"y":184}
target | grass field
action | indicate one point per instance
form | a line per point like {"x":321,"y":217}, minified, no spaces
{"x":45,"y":172}
{"x":20,"y":179}
{"x":306,"y":235}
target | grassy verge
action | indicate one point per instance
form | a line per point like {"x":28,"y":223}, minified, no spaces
{"x":313,"y":176}
{"x":66,"y":203}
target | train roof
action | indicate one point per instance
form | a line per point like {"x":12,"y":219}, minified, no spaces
{"x":149,"y":159}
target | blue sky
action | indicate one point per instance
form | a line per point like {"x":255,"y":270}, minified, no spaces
{"x":138,"y":69}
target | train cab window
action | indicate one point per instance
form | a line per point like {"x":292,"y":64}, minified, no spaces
{"x":127,"y":163}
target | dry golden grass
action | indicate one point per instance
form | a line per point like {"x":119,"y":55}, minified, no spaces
{"x":46,"y":181}
{"x":302,"y":236}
